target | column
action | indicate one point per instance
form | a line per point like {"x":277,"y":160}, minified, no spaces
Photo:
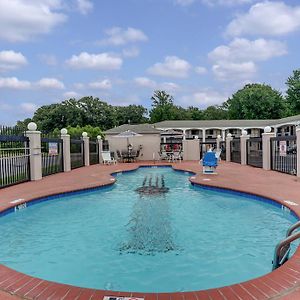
{"x":219,"y":139}
{"x":223,"y":135}
{"x":35,"y":151}
{"x":100,"y":148}
{"x":298,"y":150}
{"x":183,"y":134}
{"x":66,"y":149}
{"x":229,"y":138}
{"x":203,"y":135}
{"x":266,"y":136}
{"x":244,"y":137}
{"x":86,"y":147}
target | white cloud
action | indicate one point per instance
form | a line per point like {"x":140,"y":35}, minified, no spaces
{"x":200,"y":70}
{"x":243,"y":50}
{"x":203,"y":98}
{"x":237,"y":60}
{"x":266,"y":18}
{"x":28,"y":107}
{"x":231,"y":71}
{"x":50,"y":83}
{"x":101,"y":85}
{"x":117,"y":36}
{"x":21,"y":20}
{"x":145,"y":82}
{"x":48,"y":59}
{"x":14,"y":83}
{"x":101,"y":61}
{"x":11,"y":60}
{"x":171,"y":67}
{"x":151,"y":84}
{"x":131,"y":52}
{"x":85,"y":6}
{"x":71,"y":94}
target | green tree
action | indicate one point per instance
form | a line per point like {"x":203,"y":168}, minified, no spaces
{"x":215,"y":113}
{"x":293,"y":92}
{"x":76,"y":132}
{"x":135,"y":114}
{"x":162,"y":107}
{"x":256,"y":101}
{"x":194,"y":113}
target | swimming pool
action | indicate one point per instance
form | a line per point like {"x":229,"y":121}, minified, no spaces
{"x":181,"y":239}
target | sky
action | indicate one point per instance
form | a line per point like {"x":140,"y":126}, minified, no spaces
{"x":199,"y":51}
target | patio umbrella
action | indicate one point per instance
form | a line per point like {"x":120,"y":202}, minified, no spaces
{"x":127,"y":134}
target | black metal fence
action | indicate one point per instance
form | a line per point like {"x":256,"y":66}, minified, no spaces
{"x":284,"y":154}
{"x":14,"y":156}
{"x":223,"y":150}
{"x":235,"y":150}
{"x":254,"y":152}
{"x":94,"y":152}
{"x":77,"y":153}
{"x":52,"y":155}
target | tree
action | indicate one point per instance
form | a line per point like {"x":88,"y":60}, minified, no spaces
{"x":135,"y":114}
{"x":293,"y":92}
{"x":256,"y":101}
{"x":162,"y":107}
{"x":215,"y":113}
{"x":194,"y":113}
{"x":76,"y":132}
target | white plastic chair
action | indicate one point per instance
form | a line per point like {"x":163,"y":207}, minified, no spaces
{"x":106,"y":157}
{"x":177,"y":156}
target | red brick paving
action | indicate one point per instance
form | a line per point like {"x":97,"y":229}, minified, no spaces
{"x":283,"y":283}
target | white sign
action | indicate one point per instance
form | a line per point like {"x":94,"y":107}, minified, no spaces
{"x":282,"y":148}
{"x":53,"y":149}
{"x":121,"y":298}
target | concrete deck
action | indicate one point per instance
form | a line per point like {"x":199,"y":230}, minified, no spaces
{"x":283,"y":283}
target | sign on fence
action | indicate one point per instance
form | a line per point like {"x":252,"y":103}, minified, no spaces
{"x":282,"y":148}
{"x":53,"y":149}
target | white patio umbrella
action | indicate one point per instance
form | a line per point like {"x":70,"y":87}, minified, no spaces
{"x":127,"y":134}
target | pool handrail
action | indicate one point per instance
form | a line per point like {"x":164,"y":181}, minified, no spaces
{"x":281,"y":259}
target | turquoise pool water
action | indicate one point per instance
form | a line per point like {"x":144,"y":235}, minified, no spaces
{"x":180,"y":239}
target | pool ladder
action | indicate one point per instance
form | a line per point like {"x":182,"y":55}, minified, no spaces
{"x":283,"y":248}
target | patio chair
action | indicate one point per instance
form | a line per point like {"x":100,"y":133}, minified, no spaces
{"x":107,"y":159}
{"x":119,"y":156}
{"x":163,"y":155}
{"x":176,"y":156}
{"x":209,"y":163}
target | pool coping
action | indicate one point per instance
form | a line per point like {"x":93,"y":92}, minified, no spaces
{"x":273,"y":285}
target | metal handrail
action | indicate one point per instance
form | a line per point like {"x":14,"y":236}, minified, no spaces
{"x":292,"y":228}
{"x":282,"y":249}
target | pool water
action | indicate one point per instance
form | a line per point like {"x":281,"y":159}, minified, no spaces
{"x":172,"y":237}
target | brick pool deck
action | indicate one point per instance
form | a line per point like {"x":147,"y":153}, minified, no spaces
{"x":283,"y":283}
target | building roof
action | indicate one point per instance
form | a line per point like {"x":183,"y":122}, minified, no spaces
{"x":138,"y":128}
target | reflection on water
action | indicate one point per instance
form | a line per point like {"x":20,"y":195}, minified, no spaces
{"x":149,"y":229}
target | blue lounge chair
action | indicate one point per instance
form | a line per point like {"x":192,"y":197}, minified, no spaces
{"x":210,"y":163}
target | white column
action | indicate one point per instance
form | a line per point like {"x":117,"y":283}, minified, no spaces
{"x":229,"y":138}
{"x":298,"y":150}
{"x":66,"y":149}
{"x":35,"y":151}
{"x":275,"y":130}
{"x":183,"y":133}
{"x":266,"y":136}
{"x":244,"y":137}
{"x":219,"y":139}
{"x":203,"y":135}
{"x":100,"y":148}
{"x":86,"y":146}
{"x":223,"y":134}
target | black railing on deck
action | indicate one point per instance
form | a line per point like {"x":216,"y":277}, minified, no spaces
{"x":284,"y":154}
{"x":254,"y":152}
{"x":235,"y":149}
{"x":94,"y":152}
{"x":77,"y":154}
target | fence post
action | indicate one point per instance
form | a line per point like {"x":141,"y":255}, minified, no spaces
{"x":266,"y":147}
{"x":229,"y":138}
{"x":298,"y":150}
{"x":86,"y":147}
{"x":35,"y":151}
{"x":99,"y":138}
{"x":66,"y":149}
{"x":244,"y":137}
{"x":219,"y":139}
